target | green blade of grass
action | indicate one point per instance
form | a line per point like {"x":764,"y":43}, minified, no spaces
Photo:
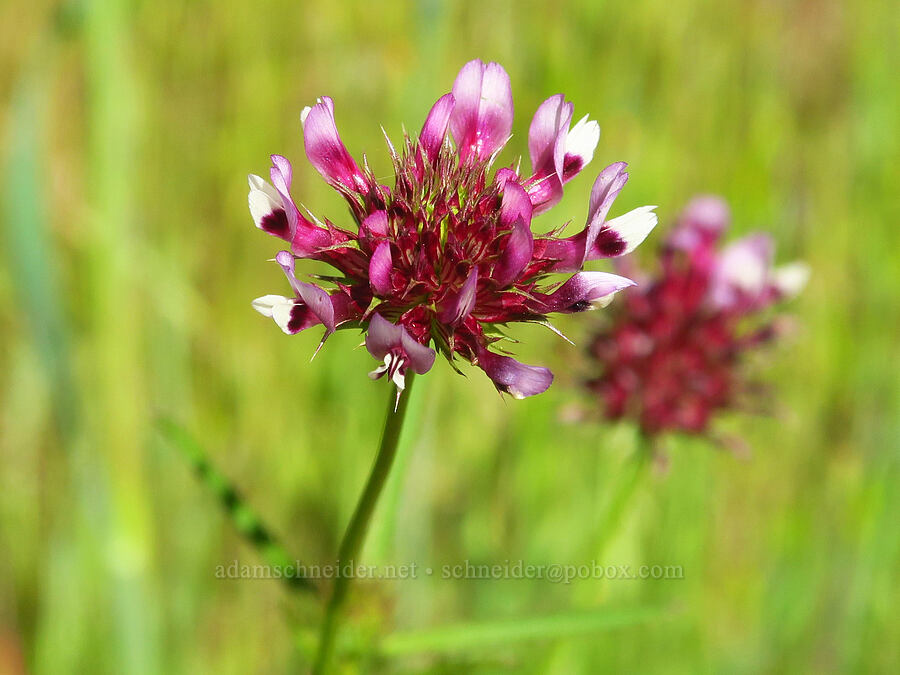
{"x":478,"y":635}
{"x":30,"y":251}
{"x":244,"y":519}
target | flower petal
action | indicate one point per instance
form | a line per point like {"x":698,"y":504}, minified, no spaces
{"x":515,"y":205}
{"x":701,"y":223}
{"x":421,"y":358}
{"x":265,"y":304}
{"x":382,"y":336}
{"x":623,"y":234}
{"x":605,"y":190}
{"x":274,"y":211}
{"x":547,"y":133}
{"x":376,"y":223}
{"x":380,"y":266}
{"x":582,"y":291}
{"x":325,"y":149}
{"x":504,"y":176}
{"x":290,"y":315}
{"x":267,"y":208}
{"x":482,"y":118}
{"x":707,"y":212}
{"x":316,"y":299}
{"x":462,"y":303}
{"x":581,"y":141}
{"x":281,"y":174}
{"x":294,"y":317}
{"x":790,"y":279}
{"x":512,"y":377}
{"x":435,"y":128}
{"x":546,"y":147}
{"x":741,"y":270}
{"x":516,"y":255}
{"x":601,"y":238}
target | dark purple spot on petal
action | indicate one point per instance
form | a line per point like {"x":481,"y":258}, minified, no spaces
{"x":276,"y":223}
{"x":608,"y":244}
{"x":571,"y":166}
{"x":580,"y":306}
{"x":301,"y":317}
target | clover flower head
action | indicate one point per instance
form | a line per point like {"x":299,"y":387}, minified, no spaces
{"x":446,"y":256}
{"x":671,"y":357}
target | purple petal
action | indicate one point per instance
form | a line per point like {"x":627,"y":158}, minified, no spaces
{"x":513,"y":377}
{"x":546,"y":146}
{"x":606,"y":188}
{"x":495,"y":114}
{"x":274,"y":211}
{"x":701,"y":224}
{"x":376,"y":223}
{"x":742,"y":270}
{"x":504,"y":176}
{"x":608,"y":239}
{"x":460,"y":306}
{"x":547,"y":133}
{"x":621,"y":235}
{"x":482,"y":117}
{"x":707,"y":212}
{"x":281,"y":174}
{"x":581,"y":292}
{"x":557,"y":153}
{"x":325,"y":149}
{"x":316,"y":299}
{"x":545,"y":191}
{"x":515,"y":205}
{"x":421,"y":358}
{"x":382,"y":336}
{"x":435,"y":128}
{"x":568,"y":253}
{"x":516,"y":255}
{"x":380,"y":267}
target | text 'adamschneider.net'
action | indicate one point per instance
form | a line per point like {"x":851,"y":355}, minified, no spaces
{"x":557,"y":573}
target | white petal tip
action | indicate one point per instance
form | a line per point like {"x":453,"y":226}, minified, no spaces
{"x":634,"y":226}
{"x":790,"y":279}
{"x":265,"y":304}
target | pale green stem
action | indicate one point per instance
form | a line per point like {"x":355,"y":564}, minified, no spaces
{"x":352,"y":543}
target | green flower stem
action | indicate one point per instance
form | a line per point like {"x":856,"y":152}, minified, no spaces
{"x":359,"y":525}
{"x":624,"y":492}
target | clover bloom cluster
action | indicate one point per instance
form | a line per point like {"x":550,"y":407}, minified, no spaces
{"x":446,"y":256}
{"x":670,"y":359}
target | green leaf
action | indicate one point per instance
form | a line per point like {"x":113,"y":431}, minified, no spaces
{"x":244,"y":519}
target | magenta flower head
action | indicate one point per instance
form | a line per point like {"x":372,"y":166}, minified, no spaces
{"x":446,"y":257}
{"x":671,"y":357}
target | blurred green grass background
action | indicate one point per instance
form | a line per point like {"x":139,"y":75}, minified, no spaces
{"x":129,"y":261}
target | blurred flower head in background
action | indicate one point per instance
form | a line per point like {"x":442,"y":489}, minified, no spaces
{"x":671,"y":357}
{"x":448,"y":254}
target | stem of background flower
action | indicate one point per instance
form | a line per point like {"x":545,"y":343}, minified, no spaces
{"x":624,"y":491}
{"x":359,"y":525}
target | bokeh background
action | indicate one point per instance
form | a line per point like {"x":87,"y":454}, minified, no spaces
{"x":129,"y":261}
